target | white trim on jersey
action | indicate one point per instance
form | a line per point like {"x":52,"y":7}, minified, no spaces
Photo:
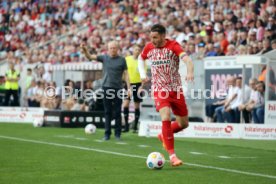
{"x":141,"y":67}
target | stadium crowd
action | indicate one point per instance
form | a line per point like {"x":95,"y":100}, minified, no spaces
{"x":51,"y":31}
{"x":207,"y":28}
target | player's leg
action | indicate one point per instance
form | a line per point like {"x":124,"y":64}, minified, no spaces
{"x":138,"y":98}
{"x":180,"y":111}
{"x":168,"y":137}
{"x":137,"y":116}
{"x":180,"y":123}
{"x":167,"y":133}
{"x":179,"y":108}
{"x":163,"y":105}
{"x":118,"y":118}
{"x":107,"y":102}
{"x":126,"y":113}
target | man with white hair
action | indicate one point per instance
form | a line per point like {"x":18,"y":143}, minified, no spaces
{"x":114,"y":67}
{"x":231,"y":95}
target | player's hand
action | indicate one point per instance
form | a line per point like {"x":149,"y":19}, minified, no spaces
{"x":129,"y":92}
{"x":189,"y":77}
{"x":145,"y":80}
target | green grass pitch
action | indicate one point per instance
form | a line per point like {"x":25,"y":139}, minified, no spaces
{"x":59,"y":155}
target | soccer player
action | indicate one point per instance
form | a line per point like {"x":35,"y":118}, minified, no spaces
{"x":136,"y":85}
{"x":165,"y":56}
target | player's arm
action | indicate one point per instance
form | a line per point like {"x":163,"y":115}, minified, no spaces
{"x":190,"y":66}
{"x":89,"y":56}
{"x":141,"y":68}
{"x":231,"y":100}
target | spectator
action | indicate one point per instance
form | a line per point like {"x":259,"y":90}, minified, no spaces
{"x":231,"y":95}
{"x":2,"y":90}
{"x":247,"y":107}
{"x":255,"y":49}
{"x":260,"y":29}
{"x":218,"y":50}
{"x":232,"y":113}
{"x":50,"y":95}
{"x":29,"y":78}
{"x":37,"y":33}
{"x":273,"y":44}
{"x":231,"y":50}
{"x":241,"y":50}
{"x":37,"y":27}
{"x":266,"y":46}
{"x":258,"y":111}
{"x":35,"y":93}
{"x":231,"y":17}
{"x":242,"y":39}
{"x":30,"y":95}
{"x":80,"y":106}
{"x":88,"y":85}
{"x":210,"y":50}
{"x":223,"y":42}
{"x":201,"y":51}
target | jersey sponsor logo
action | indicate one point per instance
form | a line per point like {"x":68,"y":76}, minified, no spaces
{"x":161,"y":62}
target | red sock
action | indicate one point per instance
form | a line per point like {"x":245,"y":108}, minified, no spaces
{"x":168,"y":136}
{"x":176,"y":127}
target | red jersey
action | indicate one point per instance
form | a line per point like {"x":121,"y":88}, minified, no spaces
{"x":165,"y":65}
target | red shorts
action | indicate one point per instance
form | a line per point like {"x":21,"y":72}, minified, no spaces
{"x":173,"y":99}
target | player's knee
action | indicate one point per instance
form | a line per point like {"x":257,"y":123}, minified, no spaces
{"x":184,"y":123}
{"x":165,"y":116}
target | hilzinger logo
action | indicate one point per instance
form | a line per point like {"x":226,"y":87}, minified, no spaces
{"x":50,"y":92}
{"x":228,"y":129}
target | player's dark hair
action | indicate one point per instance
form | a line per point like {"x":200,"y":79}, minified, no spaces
{"x":158,"y":28}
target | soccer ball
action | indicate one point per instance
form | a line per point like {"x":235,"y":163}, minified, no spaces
{"x":155,"y":160}
{"x":38,"y":122}
{"x":90,"y":129}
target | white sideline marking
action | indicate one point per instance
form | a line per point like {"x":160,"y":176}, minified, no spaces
{"x":65,"y":136}
{"x":72,"y":137}
{"x":143,"y":146}
{"x":98,"y":140}
{"x":226,"y":157}
{"x":121,"y":143}
{"x":197,"y":153}
{"x":135,"y":156}
{"x":81,"y":138}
